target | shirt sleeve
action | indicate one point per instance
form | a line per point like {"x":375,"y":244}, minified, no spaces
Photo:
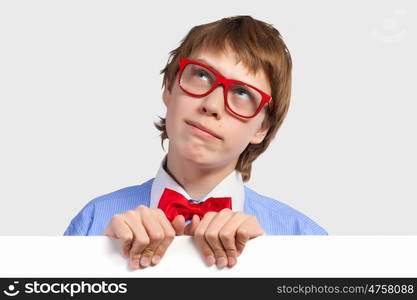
{"x":81,"y":223}
{"x":312,"y":228}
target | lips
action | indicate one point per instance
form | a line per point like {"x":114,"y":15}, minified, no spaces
{"x":201,"y":127}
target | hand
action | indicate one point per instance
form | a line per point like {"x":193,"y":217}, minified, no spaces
{"x":221,"y":237}
{"x":179,"y":225}
{"x":145,"y":234}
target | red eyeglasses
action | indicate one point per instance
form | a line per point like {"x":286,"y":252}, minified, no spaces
{"x":242,"y":99}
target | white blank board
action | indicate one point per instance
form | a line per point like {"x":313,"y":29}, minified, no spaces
{"x":266,"y":256}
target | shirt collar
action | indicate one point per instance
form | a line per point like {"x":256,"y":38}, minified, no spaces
{"x":230,"y":186}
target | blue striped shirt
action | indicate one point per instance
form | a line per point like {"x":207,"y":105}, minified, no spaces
{"x":275,"y":217}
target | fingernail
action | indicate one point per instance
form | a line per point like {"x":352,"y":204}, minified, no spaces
{"x":221,"y":262}
{"x":156,"y":259}
{"x":210,"y":260}
{"x":134,"y":264}
{"x":144,"y":261}
{"x":232,"y":261}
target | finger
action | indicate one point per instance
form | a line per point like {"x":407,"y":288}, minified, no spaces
{"x":227,"y":236}
{"x":155,"y":232}
{"x":190,"y":229}
{"x":247,"y":230}
{"x":169,"y":236}
{"x":109,"y":231}
{"x":178,"y":224}
{"x":255,"y":229}
{"x":118,"y":229}
{"x":213,"y":239}
{"x":242,"y":236}
{"x":200,"y":240}
{"x":140,"y":237}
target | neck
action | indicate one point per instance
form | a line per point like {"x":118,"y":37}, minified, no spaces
{"x":196,"y":180}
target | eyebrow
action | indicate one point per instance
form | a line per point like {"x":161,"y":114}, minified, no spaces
{"x":202,"y":60}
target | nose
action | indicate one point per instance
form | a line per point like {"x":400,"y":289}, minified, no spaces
{"x":213,"y":103}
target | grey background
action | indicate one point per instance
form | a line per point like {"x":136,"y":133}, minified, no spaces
{"x":80,"y":89}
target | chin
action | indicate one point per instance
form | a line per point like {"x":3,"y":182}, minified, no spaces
{"x":198,"y":155}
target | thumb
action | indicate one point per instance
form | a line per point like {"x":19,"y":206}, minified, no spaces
{"x":178,"y":224}
{"x":190,"y":229}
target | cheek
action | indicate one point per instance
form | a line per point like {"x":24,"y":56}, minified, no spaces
{"x":239,"y":136}
{"x":171,"y":122}
{"x":241,"y":132}
{"x":177,"y":111}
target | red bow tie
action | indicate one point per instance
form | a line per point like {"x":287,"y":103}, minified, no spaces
{"x":173,"y":204}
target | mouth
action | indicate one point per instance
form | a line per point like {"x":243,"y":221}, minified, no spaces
{"x":203,"y":130}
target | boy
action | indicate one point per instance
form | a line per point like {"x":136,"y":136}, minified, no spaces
{"x":227,"y":90}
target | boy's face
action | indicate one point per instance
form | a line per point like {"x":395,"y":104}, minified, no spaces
{"x":231,"y":134}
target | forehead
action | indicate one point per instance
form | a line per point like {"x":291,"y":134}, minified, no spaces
{"x":227,"y":63}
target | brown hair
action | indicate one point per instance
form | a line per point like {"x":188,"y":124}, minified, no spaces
{"x":259,"y":46}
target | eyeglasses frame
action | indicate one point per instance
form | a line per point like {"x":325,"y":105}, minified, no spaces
{"x":225,"y":82}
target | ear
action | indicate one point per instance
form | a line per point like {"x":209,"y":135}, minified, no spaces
{"x":260,"y":135}
{"x":165,"y":95}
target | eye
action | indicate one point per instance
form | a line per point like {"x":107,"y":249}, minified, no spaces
{"x":242,"y":93}
{"x":201,"y":74}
